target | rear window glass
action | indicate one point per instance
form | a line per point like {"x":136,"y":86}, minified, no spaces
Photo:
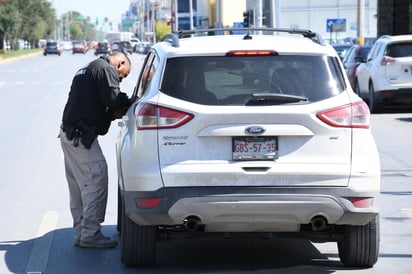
{"x":399,"y":50}
{"x":228,"y":80}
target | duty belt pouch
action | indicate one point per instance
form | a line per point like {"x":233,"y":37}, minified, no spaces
{"x":70,"y":131}
{"x":88,"y":135}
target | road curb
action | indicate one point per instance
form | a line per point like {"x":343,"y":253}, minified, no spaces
{"x":2,"y":61}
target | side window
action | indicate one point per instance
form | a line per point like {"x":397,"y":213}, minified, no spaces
{"x":374,"y":51}
{"x":146,"y":75}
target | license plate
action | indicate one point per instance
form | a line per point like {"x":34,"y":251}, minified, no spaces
{"x":255,"y":148}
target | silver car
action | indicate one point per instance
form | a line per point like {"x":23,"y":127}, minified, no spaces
{"x":247,"y":133}
{"x":385,"y":77}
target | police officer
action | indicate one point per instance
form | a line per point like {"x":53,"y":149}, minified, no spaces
{"x":94,"y":101}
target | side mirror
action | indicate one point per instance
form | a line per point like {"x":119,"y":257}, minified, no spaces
{"x":359,"y":59}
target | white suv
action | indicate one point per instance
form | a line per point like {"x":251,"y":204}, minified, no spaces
{"x":385,"y":78}
{"x":247,"y":134}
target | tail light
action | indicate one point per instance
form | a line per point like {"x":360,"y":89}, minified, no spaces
{"x":356,"y":115}
{"x":148,"y":202}
{"x":361,"y":202}
{"x":386,"y":60}
{"x":251,"y":53}
{"x":150,"y":116}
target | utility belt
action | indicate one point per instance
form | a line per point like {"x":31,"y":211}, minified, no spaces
{"x":80,"y":133}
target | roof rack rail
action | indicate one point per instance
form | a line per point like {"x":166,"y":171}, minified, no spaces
{"x":172,"y":38}
{"x":305,"y":32}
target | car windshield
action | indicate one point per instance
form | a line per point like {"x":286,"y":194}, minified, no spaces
{"x":257,"y":80}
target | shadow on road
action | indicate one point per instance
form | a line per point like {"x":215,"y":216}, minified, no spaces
{"x":276,"y":255}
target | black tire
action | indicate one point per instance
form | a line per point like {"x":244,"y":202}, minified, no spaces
{"x":373,"y":105}
{"x":357,"y":88}
{"x":119,"y":211}
{"x":359,"y":245}
{"x":138,"y":243}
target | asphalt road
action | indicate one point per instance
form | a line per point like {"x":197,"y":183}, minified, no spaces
{"x":35,"y":222}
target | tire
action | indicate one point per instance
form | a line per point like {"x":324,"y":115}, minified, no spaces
{"x":373,"y":105}
{"x":357,"y":88}
{"x":119,"y":211}
{"x":359,"y":245}
{"x":138,"y":243}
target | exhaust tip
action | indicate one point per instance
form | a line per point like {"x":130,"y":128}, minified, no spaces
{"x":318,"y":223}
{"x":192,"y":223}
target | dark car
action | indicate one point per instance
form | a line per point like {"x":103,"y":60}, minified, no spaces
{"x":342,"y":49}
{"x":351,"y":65}
{"x":144,"y":47}
{"x":102,"y":48}
{"x":52,"y":48}
{"x":80,"y":47}
{"x":124,"y":46}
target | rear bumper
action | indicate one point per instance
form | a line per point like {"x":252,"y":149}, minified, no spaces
{"x":251,"y":209}
{"x":400,"y":97}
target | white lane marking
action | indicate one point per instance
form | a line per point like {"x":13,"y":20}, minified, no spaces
{"x":407,"y":212}
{"x":41,"y":247}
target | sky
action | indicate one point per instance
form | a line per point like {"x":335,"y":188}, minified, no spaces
{"x":113,"y":9}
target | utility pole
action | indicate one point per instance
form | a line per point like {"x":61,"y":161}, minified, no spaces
{"x":361,"y":24}
{"x":191,"y":14}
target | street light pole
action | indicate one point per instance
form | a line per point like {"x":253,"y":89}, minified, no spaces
{"x":360,"y":26}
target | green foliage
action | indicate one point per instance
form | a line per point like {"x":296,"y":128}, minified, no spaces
{"x":162,"y":28}
{"x":76,"y":31}
{"x":28,"y":20}
{"x":80,"y":26}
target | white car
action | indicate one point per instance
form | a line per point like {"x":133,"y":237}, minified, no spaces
{"x":385,"y":77}
{"x":134,"y":42}
{"x":247,"y":134}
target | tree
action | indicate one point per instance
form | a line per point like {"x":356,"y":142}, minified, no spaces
{"x":162,"y":28}
{"x":38,"y":20}
{"x":9,"y":22}
{"x":80,"y":26}
{"x":28,"y":20}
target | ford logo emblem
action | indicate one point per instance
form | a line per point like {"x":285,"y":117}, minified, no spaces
{"x":255,"y":130}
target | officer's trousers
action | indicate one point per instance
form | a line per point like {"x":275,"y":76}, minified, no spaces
{"x":87,"y":178}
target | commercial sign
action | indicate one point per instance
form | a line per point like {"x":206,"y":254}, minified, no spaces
{"x":336,"y":25}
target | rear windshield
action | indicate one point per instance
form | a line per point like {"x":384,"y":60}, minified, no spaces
{"x":399,"y":50}
{"x":252,"y":80}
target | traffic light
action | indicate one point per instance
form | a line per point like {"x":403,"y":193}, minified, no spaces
{"x":248,"y":18}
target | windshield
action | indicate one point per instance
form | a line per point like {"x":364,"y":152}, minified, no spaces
{"x":228,"y":80}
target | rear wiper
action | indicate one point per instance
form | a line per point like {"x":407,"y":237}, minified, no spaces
{"x":279,"y":98}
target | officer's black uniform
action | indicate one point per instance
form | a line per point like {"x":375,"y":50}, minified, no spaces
{"x":94,"y":96}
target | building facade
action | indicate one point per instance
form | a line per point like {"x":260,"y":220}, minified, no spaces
{"x":333,"y":19}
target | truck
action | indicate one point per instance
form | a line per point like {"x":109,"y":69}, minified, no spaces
{"x":119,"y":36}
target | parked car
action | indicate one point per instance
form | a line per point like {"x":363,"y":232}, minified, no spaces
{"x":103,"y":48}
{"x":124,"y":46}
{"x":342,"y":49}
{"x":52,"y":47}
{"x":66,"y":45}
{"x":144,"y":47}
{"x":80,"y":46}
{"x":385,"y":77}
{"x":247,"y":135}
{"x":351,"y":61}
{"x":134,"y":42}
